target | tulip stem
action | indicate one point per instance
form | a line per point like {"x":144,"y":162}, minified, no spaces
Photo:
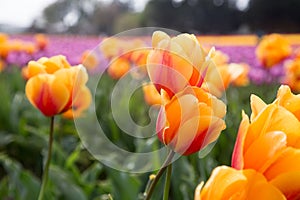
{"x":167,"y":182}
{"x":159,"y":174}
{"x":47,"y":165}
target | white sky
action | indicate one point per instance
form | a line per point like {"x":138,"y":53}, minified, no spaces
{"x":23,"y":12}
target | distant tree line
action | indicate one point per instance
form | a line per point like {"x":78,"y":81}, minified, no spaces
{"x":195,"y":16}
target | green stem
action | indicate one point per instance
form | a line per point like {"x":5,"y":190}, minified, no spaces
{"x":159,"y":174}
{"x":46,"y":170}
{"x":168,"y":182}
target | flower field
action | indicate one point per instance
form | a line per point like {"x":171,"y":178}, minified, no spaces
{"x":224,"y":110}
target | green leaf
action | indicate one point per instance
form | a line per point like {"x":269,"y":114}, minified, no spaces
{"x":64,"y":183}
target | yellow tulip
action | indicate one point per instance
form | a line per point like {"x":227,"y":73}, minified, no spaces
{"x":190,"y":120}
{"x":228,"y":183}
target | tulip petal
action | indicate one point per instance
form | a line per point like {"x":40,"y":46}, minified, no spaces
{"x":238,"y":151}
{"x":288,"y":184}
{"x":197,"y":133}
{"x":288,"y":161}
{"x":158,"y":36}
{"x":264,"y":150}
{"x":257,"y":105}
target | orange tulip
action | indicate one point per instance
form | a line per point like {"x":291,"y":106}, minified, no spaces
{"x":270,"y":144}
{"x":217,"y":80}
{"x":118,"y":68}
{"x":177,"y":62}
{"x":292,"y":74}
{"x":272,"y":49}
{"x":57,"y":87}
{"x":151,"y":95}
{"x":228,"y":183}
{"x":190,"y":121}
{"x":239,"y":73}
{"x":41,"y":41}
{"x":89,"y":60}
{"x":288,"y":100}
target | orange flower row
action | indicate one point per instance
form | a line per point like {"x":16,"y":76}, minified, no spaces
{"x":266,"y":156}
{"x":55,"y":87}
{"x":7,"y":45}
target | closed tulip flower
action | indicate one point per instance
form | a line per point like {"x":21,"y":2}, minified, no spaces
{"x":60,"y":90}
{"x":177,"y":62}
{"x":190,"y":120}
{"x":273,"y":49}
{"x":228,"y":183}
{"x":118,"y":68}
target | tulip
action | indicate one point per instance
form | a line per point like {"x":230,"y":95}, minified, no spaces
{"x":228,"y":183}
{"x":190,"y":120}
{"x":177,"y":62}
{"x":151,"y":95}
{"x":270,"y":142}
{"x":47,"y":93}
{"x":118,"y":68}
{"x":41,"y":41}
{"x":57,"y":87}
{"x":273,"y":49}
{"x":292,"y":74}
{"x":89,"y":60}
{"x":288,"y":100}
{"x":220,"y":58}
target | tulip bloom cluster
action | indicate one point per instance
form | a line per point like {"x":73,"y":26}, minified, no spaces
{"x":55,"y":87}
{"x":190,"y":117}
{"x":266,"y":157}
{"x":124,"y":53}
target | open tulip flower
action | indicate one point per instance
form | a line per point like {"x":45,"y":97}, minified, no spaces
{"x":190,"y":120}
{"x":228,"y":183}
{"x":177,"y":62}
{"x":273,"y":49}
{"x":270,"y":143}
